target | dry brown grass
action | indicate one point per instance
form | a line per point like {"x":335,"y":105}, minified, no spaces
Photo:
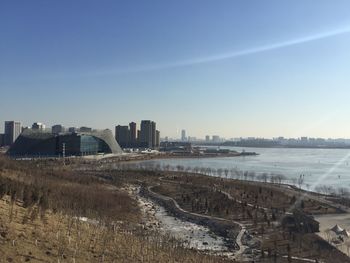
{"x":25,"y":237}
{"x":65,"y":191}
{"x":33,"y":230}
{"x":204,"y":195}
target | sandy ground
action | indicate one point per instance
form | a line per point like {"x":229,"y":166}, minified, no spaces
{"x":329,"y":221}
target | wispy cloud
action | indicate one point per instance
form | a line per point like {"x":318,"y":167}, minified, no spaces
{"x":230,"y":55}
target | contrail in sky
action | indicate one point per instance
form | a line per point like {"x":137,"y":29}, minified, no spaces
{"x":233,"y":54}
{"x":266,"y":47}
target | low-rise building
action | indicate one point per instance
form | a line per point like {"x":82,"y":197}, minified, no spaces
{"x":58,"y":128}
{"x":38,"y":126}
{"x":85,"y":129}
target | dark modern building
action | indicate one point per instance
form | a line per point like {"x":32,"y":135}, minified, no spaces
{"x":12,"y":131}
{"x":34,"y":143}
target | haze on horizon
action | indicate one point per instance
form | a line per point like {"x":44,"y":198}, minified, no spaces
{"x":233,"y":68}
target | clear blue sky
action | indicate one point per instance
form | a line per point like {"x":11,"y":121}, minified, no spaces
{"x":233,"y":68}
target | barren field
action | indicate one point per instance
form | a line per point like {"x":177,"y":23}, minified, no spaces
{"x":53,"y":214}
{"x":85,"y":212}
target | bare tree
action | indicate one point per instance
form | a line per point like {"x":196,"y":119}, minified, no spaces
{"x":301,"y":181}
{"x":226,"y":173}
{"x":251,"y":175}
{"x":232,"y":173}
{"x":280,"y":178}
{"x":245,"y":174}
{"x":219,"y":171}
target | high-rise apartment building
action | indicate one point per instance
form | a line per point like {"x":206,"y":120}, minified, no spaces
{"x":12,"y":131}
{"x":122,"y":135}
{"x":133,"y":134}
{"x":183,"y":135}
{"x":147,"y":134}
{"x":154,"y":135}
{"x":131,"y":137}
{"x":157,"y":139}
{"x":138,"y":137}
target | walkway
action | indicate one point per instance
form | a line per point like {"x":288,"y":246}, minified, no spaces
{"x":239,"y":252}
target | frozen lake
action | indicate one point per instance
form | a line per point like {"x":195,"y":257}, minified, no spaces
{"x":329,"y":167}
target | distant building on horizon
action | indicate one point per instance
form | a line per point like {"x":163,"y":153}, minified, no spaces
{"x":157,"y":139}
{"x":85,"y":129}
{"x":207,"y":138}
{"x":122,"y":135}
{"x":153,"y":134}
{"x":130,"y":137}
{"x":72,"y":129}
{"x":38,"y":126}
{"x":183,"y":135}
{"x":12,"y":131}
{"x":138,"y":137}
{"x":133,"y":134}
{"x":146,"y":136}
{"x":58,"y":128}
{"x":216,"y":138}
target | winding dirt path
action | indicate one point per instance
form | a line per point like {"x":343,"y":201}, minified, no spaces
{"x":238,"y":253}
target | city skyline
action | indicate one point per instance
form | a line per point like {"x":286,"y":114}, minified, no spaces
{"x":129,"y":136}
{"x":246,"y":74}
{"x":178,"y":136}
